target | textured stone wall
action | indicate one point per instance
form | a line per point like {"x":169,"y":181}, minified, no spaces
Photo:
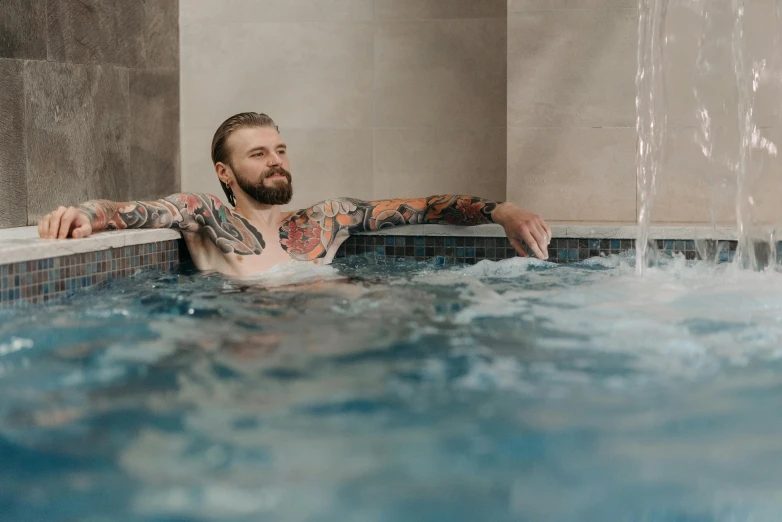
{"x":89,"y":103}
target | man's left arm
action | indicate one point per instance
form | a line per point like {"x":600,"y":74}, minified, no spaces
{"x":311,"y":233}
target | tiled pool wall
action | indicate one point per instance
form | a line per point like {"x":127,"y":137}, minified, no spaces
{"x":452,"y":250}
{"x":43,"y":280}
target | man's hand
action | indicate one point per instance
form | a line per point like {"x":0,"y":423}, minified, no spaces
{"x":521,"y":225}
{"x":65,"y":222}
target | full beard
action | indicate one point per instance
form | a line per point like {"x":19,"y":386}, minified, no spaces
{"x":279,"y":194}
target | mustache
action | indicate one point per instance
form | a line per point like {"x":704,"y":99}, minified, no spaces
{"x":276,"y":170}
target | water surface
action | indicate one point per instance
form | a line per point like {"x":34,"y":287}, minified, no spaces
{"x":379,"y":390}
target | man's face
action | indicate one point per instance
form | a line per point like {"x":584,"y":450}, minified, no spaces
{"x":259,"y":161}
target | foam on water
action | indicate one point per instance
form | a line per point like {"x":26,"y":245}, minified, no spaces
{"x":293,"y":273}
{"x":682,"y":319}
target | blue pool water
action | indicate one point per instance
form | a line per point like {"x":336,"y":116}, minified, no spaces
{"x":387,"y":391}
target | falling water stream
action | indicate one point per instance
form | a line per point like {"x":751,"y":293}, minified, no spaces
{"x":650,"y":115}
{"x":747,"y":127}
{"x":733,"y":143}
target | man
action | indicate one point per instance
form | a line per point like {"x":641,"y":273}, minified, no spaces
{"x":252,"y":165}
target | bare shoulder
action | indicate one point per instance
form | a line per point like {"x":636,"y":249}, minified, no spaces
{"x":329,"y":208}
{"x":231,"y":232}
{"x":311,"y":233}
{"x":331,"y":214}
{"x":195,"y":203}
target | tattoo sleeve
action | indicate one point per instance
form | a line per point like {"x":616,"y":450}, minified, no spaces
{"x":186,"y":212}
{"x":311,"y":233}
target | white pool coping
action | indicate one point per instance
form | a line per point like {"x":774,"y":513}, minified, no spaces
{"x":23,"y":244}
{"x":573,"y":230}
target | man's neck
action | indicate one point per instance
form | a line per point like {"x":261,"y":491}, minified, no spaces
{"x":261,"y":216}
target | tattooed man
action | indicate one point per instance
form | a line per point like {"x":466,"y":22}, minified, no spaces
{"x":252,"y":165}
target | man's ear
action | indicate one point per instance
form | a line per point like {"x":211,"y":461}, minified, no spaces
{"x":224,"y":172}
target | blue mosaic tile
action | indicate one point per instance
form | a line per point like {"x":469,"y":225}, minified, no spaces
{"x":40,"y":280}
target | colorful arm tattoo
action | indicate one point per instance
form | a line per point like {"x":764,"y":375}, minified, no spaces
{"x":187,"y":212}
{"x":310,"y":233}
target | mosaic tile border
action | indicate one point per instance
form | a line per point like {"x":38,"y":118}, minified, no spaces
{"x":39,"y":281}
{"x":451,"y":250}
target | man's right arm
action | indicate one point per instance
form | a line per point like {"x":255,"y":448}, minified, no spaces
{"x":184,"y":212}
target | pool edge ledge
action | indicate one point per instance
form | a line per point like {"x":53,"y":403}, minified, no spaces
{"x":35,"y":270}
{"x":572,"y":230}
{"x":23,"y":244}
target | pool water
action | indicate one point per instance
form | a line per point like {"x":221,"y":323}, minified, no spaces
{"x":383,"y":390}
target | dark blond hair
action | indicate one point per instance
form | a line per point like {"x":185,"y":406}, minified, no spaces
{"x":220,"y":151}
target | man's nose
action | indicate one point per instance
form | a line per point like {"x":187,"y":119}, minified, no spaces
{"x":275,"y":160}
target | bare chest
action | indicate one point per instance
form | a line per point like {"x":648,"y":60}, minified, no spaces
{"x":207,"y":255}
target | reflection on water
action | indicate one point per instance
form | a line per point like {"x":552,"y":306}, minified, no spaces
{"x":399,"y":391}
